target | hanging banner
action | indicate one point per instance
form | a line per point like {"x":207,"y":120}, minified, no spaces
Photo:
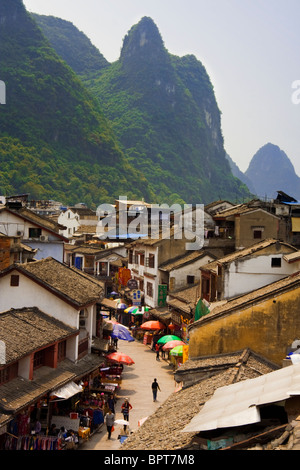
{"x":124,"y":276}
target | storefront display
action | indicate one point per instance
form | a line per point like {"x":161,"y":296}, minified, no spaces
{"x":63,"y":418}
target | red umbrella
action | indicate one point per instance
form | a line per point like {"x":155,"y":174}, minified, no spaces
{"x":121,"y":358}
{"x":172,"y":344}
{"x":153,"y":325}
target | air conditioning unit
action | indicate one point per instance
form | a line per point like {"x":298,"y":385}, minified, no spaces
{"x":20,"y":233}
{"x":43,"y":238}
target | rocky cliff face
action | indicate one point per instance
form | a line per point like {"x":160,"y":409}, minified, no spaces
{"x":165,"y":115}
{"x":54,"y":139}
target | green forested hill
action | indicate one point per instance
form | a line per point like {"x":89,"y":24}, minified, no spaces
{"x":72,"y":45}
{"x":55,"y":141}
{"x":164,"y":113}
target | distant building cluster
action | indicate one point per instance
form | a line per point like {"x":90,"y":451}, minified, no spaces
{"x":60,"y":281}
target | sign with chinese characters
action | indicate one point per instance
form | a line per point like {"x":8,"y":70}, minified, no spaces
{"x":136,"y":297}
{"x":162,"y":295}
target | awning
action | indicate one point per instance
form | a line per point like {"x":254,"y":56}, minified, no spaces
{"x":295,"y":224}
{"x":67,"y":391}
{"x":109,"y":303}
{"x":238,"y":404}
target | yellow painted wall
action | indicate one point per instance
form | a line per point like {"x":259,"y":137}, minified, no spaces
{"x":268,"y":328}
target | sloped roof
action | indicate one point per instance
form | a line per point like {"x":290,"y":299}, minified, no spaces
{"x":82,"y":229}
{"x":292,"y":257}
{"x":71,"y":284}
{"x":27,"y":329}
{"x":246,"y":252}
{"x":238,"y":404}
{"x":187,"y":258}
{"x":36,"y":219}
{"x":161,"y":236}
{"x":241,"y":209}
{"x":163,"y":429}
{"x":184,"y":299}
{"x":20,"y":393}
{"x":87,"y":249}
{"x":289,"y":282}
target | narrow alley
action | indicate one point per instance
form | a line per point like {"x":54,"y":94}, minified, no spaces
{"x":136,"y":386}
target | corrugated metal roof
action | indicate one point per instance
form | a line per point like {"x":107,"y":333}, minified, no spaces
{"x":238,"y":404}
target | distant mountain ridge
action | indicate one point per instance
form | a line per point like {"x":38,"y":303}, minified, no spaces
{"x":73,"y":46}
{"x":163,"y":111}
{"x":240,"y":175}
{"x":271,"y":170}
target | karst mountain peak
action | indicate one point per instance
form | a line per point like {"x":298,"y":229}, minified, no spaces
{"x":143,"y":38}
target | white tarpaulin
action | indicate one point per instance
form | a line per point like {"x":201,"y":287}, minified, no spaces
{"x":237,"y":404}
{"x":67,"y":391}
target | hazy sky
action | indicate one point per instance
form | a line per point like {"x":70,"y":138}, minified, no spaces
{"x":250,"y":49}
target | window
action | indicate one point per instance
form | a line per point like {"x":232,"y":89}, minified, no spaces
{"x":257,"y":234}
{"x":35,"y":232}
{"x":150,"y":261}
{"x":142,"y":260}
{"x":61,"y":352}
{"x":14,"y":280}
{"x":149,"y":289}
{"x":190,"y":279}
{"x":8,"y":373}
{"x":130,"y":257}
{"x":276,"y":262}
{"x":39,"y":359}
{"x":4,"y":375}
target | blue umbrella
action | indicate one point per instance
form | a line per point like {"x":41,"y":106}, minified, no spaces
{"x":121,"y":332}
{"x":121,"y":306}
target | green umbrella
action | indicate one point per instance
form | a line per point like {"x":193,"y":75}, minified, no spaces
{"x":177,"y":351}
{"x":167,"y":338}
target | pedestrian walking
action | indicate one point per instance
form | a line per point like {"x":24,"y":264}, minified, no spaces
{"x":126,"y":406}
{"x":109,"y":421}
{"x":157,"y":351}
{"x":155,"y":387}
{"x":111,"y":403}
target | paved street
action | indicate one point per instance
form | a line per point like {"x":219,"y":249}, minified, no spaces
{"x":136,"y":386}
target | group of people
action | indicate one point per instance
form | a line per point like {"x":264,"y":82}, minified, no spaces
{"x":125,"y":408}
{"x":110,"y":417}
{"x":159,"y":349}
{"x":100,"y":401}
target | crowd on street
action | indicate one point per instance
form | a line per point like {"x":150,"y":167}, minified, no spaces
{"x":137,"y":399}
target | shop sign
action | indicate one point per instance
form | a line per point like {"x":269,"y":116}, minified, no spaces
{"x":132,"y":284}
{"x":136,"y":297}
{"x":162,"y":295}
